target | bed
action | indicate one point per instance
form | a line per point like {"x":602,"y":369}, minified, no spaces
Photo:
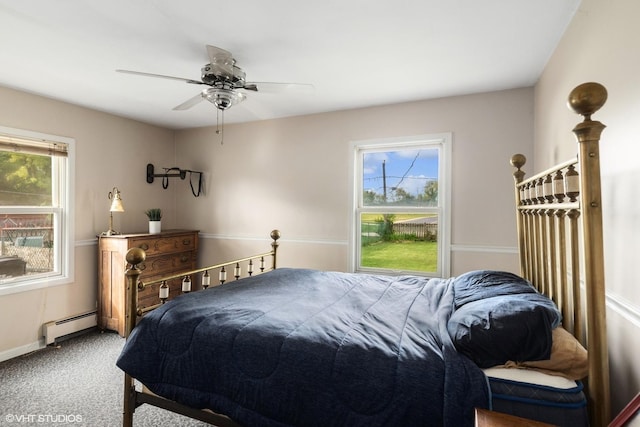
{"x":301,"y":347}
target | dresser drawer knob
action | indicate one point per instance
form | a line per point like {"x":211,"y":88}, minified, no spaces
{"x":144,"y":246}
{"x":184,"y":258}
{"x":186,"y":242}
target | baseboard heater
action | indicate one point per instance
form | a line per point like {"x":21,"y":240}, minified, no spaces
{"x":59,"y":328}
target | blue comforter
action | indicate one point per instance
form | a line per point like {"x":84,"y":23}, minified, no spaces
{"x":296,"y":347}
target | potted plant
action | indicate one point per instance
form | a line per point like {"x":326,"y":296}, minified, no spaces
{"x":154,"y":215}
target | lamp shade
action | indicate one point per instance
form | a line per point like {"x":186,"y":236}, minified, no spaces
{"x":116,"y":201}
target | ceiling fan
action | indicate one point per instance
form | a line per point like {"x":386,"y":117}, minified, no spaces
{"x":225,"y":80}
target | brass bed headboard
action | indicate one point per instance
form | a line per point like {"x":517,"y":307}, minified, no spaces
{"x":559,"y":220}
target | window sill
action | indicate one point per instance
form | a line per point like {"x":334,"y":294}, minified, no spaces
{"x":13,"y":287}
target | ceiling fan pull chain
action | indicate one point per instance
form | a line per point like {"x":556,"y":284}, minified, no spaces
{"x":219,"y":126}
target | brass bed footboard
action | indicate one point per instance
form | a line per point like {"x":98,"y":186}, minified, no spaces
{"x":135,"y":256}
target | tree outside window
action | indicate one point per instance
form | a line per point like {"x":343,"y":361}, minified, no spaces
{"x":34,"y":211}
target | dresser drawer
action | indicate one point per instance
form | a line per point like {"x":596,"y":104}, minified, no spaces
{"x":166,"y":265}
{"x":154,"y":245}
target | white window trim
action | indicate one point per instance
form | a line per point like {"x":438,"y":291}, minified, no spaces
{"x":67,"y":226}
{"x":445,"y":140}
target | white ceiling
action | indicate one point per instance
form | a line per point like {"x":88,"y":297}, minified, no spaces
{"x":354,"y":52}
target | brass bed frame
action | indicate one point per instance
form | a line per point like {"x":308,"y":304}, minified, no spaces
{"x":560,"y":242}
{"x":136,"y":396}
{"x":559,"y":221}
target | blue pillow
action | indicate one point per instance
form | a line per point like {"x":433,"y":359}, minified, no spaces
{"x":494,"y":330}
{"x":481,"y":284}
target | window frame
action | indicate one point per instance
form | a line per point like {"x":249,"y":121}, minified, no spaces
{"x":442,"y":141}
{"x":63,"y":215}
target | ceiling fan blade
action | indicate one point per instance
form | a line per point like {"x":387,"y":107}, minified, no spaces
{"x":140,"y":73}
{"x":274,"y":87}
{"x":189,"y":103}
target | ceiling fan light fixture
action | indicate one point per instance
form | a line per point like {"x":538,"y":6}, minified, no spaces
{"x":223,"y":99}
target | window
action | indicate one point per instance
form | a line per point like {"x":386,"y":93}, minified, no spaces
{"x":401,"y":202}
{"x":35,"y":210}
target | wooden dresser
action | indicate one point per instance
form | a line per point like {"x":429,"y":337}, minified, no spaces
{"x":170,"y":252}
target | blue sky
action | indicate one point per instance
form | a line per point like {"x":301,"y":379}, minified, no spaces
{"x":409,"y":169}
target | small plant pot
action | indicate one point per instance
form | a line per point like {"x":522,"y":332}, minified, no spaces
{"x":155,"y":227}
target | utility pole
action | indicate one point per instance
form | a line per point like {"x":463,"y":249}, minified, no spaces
{"x":384,"y":181}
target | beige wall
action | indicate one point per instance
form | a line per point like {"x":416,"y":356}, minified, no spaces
{"x":110,"y":151}
{"x":602,"y":44}
{"x":293,"y":174}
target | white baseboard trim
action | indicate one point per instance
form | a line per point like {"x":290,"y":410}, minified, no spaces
{"x":22,"y":350}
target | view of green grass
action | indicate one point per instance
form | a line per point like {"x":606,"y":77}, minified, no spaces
{"x":396,"y":252}
{"x":414,"y":256}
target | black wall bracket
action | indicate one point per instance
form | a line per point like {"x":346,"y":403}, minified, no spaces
{"x":182,"y":173}
{"x":174,"y":172}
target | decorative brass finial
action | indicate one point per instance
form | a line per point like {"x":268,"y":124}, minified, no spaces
{"x":135,"y":256}
{"x":518,"y":160}
{"x":275,"y":234}
{"x":587,"y":98}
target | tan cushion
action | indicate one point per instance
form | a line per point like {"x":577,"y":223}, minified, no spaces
{"x":568,"y":357}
